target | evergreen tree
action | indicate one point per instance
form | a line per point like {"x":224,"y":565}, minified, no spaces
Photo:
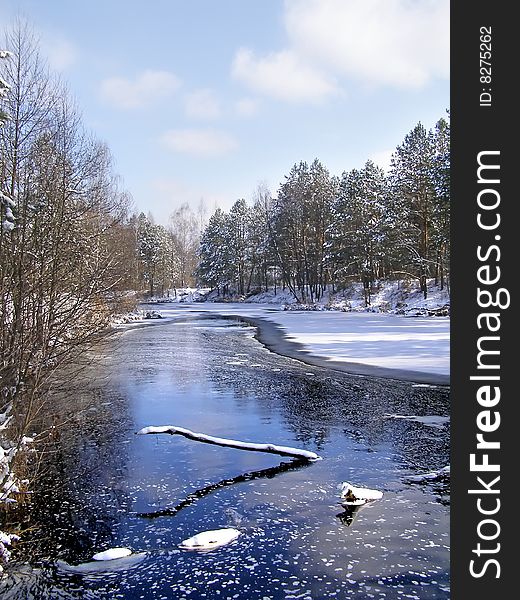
{"x":301,"y":213}
{"x":440,"y":139}
{"x":149,"y":249}
{"x":215,"y":267}
{"x":237,"y":234}
{"x":357,"y":230}
{"x":412,"y":203}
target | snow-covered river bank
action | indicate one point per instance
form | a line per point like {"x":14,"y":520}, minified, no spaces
{"x":110,"y":488}
{"x":379,"y":344}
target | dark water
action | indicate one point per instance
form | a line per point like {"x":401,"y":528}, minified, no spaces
{"x":112,"y":488}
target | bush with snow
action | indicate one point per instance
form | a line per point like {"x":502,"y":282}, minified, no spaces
{"x":10,"y":485}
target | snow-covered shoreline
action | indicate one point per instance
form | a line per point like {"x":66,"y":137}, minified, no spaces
{"x":280,"y":339}
{"x":414,"y":349}
{"x":393,"y":338}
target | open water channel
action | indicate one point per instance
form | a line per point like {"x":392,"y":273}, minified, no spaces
{"x":110,"y":488}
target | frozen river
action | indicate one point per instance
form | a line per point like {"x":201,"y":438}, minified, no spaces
{"x":109,"y":488}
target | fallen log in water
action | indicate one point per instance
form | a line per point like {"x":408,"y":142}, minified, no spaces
{"x":209,"y":439}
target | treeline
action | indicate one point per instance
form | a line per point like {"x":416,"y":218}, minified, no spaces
{"x":166,"y":256}
{"x":71,"y":248}
{"x":64,"y":240}
{"x":321,"y":230}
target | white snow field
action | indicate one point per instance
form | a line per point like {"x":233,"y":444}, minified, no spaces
{"x":412,"y":348}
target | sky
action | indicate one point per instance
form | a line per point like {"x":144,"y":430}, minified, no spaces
{"x":208,"y":99}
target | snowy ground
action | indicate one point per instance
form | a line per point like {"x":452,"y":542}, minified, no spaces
{"x":391,"y":338}
{"x":412,"y":348}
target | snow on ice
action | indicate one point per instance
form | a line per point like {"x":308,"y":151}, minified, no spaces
{"x":394,"y":332}
{"x":209,"y":540}
{"x":357,"y":496}
{"x":112,"y":553}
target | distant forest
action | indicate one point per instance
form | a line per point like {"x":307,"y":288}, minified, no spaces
{"x":322,"y":230}
{"x":319,"y":230}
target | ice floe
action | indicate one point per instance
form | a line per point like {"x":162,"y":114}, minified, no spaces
{"x":209,"y":540}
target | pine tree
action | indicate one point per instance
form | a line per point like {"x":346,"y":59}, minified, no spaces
{"x":412,"y":203}
{"x":357,"y":230}
{"x":301,"y":213}
{"x":215,"y":265}
{"x":237,"y":242}
{"x":440,"y":139}
{"x":149,"y":249}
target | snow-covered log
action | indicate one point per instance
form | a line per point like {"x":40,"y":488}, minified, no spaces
{"x":95,"y":567}
{"x":209,"y":439}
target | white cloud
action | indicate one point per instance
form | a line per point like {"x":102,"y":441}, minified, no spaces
{"x":147,"y":88}
{"x":282,"y":75}
{"x":199,"y":142}
{"x":397,"y":43}
{"x":400,"y":43}
{"x":174,"y":193}
{"x":247,"y":107}
{"x":202,"y":104}
{"x":60,"y":53}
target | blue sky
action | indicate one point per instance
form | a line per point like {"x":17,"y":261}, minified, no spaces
{"x":208,"y":98}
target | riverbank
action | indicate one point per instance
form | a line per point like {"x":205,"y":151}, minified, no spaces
{"x":274,"y":337}
{"x":414,"y":349}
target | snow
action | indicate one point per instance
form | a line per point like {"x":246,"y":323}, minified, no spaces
{"x":182,"y":295}
{"x":357,"y":496}
{"x":6,"y":539}
{"x":10,"y":485}
{"x":134,"y":316}
{"x":112,"y":553}
{"x":103,"y":566}
{"x":202,"y":437}
{"x":209,"y":540}
{"x":386,"y":339}
{"x":391,"y":341}
{"x":414,"y":344}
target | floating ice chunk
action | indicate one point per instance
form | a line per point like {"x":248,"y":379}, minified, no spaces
{"x":208,"y":540}
{"x":429,"y":420}
{"x":443,"y":473}
{"x":103,"y":566}
{"x":112,"y":553}
{"x":357,"y":496}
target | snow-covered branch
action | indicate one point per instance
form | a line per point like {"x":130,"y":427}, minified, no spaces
{"x":208,"y":439}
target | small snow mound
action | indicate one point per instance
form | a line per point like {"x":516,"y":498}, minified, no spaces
{"x":112,"y":553}
{"x":357,"y":496}
{"x":208,"y":540}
